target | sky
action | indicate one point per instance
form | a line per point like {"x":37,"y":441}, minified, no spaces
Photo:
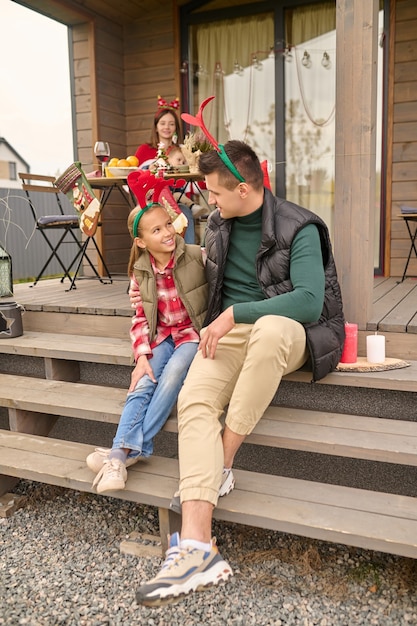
{"x":35,"y":104}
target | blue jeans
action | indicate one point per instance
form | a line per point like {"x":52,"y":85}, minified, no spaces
{"x":147,"y":408}
{"x":189,"y":236}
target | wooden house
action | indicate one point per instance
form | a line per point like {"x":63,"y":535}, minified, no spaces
{"x":10,"y":164}
{"x":127,"y":53}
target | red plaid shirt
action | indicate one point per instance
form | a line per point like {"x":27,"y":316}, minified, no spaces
{"x":173,"y":318}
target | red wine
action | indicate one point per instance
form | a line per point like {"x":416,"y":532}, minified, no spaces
{"x":103,"y":158}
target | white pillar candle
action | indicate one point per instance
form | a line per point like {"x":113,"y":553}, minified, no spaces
{"x":375,"y":348}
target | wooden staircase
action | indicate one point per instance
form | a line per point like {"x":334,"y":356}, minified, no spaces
{"x":36,"y":397}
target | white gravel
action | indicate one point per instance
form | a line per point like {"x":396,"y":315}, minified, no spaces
{"x":60,"y":563}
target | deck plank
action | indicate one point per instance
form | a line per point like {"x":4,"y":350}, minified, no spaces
{"x":399,"y":318}
{"x":382,"y":287}
{"x":412,"y":325}
{"x":388,"y":302}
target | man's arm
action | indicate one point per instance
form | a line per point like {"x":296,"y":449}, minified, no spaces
{"x":305,"y":302}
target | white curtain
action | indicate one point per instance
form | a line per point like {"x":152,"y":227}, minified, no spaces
{"x":310,"y":99}
{"x":223,"y":47}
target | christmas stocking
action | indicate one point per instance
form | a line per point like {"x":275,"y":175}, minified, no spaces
{"x":74,"y":184}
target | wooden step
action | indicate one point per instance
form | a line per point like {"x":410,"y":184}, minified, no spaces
{"x":404,"y":379}
{"x":377,"y":439}
{"x":73,"y":347}
{"x":356,"y":517}
{"x":117,"y":351}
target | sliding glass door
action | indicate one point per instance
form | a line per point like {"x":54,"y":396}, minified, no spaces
{"x":272,"y":69}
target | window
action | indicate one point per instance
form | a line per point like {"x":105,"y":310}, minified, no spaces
{"x":12,"y":170}
{"x":272,"y":69}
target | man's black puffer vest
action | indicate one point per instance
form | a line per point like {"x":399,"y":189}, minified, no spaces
{"x":281,"y":221}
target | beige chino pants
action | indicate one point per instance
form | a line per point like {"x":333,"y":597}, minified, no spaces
{"x":245,"y":374}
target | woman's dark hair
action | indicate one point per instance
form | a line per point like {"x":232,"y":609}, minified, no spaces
{"x":243,"y":158}
{"x":154,"y":134}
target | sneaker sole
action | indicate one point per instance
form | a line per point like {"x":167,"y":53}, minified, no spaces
{"x":221,"y":570}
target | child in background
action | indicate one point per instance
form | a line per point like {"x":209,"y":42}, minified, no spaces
{"x":175,"y":158}
{"x":164,"y":338}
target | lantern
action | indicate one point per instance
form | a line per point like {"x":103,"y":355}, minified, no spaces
{"x":6,"y":276}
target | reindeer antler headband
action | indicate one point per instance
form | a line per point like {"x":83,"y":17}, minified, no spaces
{"x":147,"y":189}
{"x":197,"y":120}
{"x":163,"y":105}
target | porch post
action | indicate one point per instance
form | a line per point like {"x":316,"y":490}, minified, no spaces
{"x":356,"y":83}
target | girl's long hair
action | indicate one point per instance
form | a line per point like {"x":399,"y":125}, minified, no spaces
{"x":135,"y":251}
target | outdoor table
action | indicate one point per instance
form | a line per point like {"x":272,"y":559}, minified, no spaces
{"x":106,"y":186}
{"x":188,"y":178}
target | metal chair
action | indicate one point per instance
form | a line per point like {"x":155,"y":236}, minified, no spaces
{"x":75,"y":185}
{"x":66,"y":224}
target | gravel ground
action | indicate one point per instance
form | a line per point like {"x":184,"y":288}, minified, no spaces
{"x":61,"y":564}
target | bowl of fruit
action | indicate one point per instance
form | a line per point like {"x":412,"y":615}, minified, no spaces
{"x":121,"y":168}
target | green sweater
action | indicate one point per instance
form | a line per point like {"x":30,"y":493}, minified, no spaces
{"x":242,"y":290}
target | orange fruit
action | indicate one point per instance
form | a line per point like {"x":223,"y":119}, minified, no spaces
{"x":113,"y":162}
{"x":133,"y":160}
{"x":123,"y":163}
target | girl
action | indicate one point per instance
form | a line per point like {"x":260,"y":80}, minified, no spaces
{"x":170,"y":277}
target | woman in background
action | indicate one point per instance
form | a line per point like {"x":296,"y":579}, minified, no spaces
{"x":166,"y":129}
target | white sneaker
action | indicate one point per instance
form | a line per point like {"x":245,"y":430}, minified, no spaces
{"x":111,"y":477}
{"x":96,"y":459}
{"x":228,"y":483}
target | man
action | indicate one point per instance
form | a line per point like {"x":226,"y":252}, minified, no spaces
{"x":274,"y":302}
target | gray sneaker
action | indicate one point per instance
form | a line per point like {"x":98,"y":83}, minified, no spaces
{"x":228,"y":483}
{"x":184,"y":570}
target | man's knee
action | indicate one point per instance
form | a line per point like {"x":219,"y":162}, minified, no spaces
{"x":270,"y":329}
{"x":274,"y":334}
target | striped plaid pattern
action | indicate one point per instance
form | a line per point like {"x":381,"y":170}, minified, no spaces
{"x":173,"y":318}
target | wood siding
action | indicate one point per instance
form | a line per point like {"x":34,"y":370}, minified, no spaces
{"x":404,"y":132}
{"x":119,"y":71}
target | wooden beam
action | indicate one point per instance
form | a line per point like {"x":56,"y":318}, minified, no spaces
{"x":356,"y":90}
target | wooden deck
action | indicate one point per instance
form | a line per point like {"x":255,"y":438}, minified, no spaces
{"x":96,"y":308}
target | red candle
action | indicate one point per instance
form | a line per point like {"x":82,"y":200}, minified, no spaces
{"x":350,"y":348}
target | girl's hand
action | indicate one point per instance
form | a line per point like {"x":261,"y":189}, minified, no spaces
{"x":141,"y":368}
{"x":134,"y":296}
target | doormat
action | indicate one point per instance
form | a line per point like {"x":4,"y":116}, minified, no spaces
{"x":362,"y":365}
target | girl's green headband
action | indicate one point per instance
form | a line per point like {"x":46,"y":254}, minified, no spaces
{"x":138,"y":217}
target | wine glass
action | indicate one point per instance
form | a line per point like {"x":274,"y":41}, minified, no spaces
{"x":102,"y":152}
